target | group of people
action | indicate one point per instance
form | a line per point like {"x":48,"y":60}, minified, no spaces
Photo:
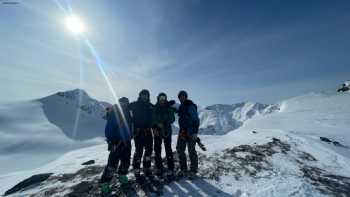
{"x":150,"y":126}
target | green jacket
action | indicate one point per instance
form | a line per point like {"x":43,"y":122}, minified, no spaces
{"x":163,"y":117}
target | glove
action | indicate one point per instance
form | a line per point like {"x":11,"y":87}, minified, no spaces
{"x":194,"y":136}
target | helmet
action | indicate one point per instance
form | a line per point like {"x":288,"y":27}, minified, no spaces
{"x":182,"y":93}
{"x":123,"y":100}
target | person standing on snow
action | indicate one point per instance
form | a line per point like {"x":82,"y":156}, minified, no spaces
{"x":142,"y":116}
{"x":118,"y":134}
{"x":125,"y":107}
{"x":189,"y":125}
{"x":164,"y":116}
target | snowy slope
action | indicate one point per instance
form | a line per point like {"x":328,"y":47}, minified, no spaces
{"x":284,"y":156}
{"x":312,"y":116}
{"x":220,"y":119}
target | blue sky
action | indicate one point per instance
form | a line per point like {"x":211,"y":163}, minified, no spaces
{"x":219,"y":51}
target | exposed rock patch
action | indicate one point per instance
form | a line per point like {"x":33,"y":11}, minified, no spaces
{"x":28,"y":183}
{"x":90,"y":162}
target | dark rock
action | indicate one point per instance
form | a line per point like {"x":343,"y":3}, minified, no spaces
{"x":28,"y":183}
{"x":84,"y":173}
{"x":336,"y":143}
{"x":242,"y":160}
{"x":254,"y":132}
{"x":81,"y":189}
{"x":307,"y":156}
{"x":325,"y":139}
{"x":329,"y":184}
{"x":90,"y":162}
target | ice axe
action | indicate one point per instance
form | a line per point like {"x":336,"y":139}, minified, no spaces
{"x":200,"y":144}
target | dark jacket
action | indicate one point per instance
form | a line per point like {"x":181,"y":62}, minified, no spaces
{"x":188,"y":117}
{"x":127,"y":116}
{"x":116,"y":129}
{"x":142,"y":114}
{"x":163,"y":117}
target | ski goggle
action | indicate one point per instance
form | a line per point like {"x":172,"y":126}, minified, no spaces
{"x":162,"y":98}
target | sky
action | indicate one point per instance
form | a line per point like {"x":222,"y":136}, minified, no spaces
{"x":224,"y":51}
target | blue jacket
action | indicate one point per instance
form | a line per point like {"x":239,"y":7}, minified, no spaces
{"x":116,"y":129}
{"x":188,"y":117}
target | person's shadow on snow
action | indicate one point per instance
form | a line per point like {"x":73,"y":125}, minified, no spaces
{"x":198,"y":187}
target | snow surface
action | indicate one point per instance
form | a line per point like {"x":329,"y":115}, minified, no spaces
{"x":312,"y":116}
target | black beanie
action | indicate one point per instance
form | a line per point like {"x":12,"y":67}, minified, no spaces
{"x":182,"y":93}
{"x":144,"y":92}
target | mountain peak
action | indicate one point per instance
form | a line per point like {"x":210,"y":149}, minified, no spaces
{"x":74,"y":93}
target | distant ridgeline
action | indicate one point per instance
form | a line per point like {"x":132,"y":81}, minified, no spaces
{"x":88,"y":105}
{"x":62,"y":107}
{"x":220,"y":119}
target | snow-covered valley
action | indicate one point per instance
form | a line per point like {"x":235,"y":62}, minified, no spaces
{"x":277,"y":153}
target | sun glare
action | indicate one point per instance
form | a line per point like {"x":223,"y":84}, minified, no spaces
{"x":74,"y":24}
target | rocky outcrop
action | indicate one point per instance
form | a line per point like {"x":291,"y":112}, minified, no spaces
{"x":249,"y":163}
{"x":28,"y":183}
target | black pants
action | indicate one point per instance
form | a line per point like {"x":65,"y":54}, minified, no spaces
{"x":158,"y":139}
{"x":143,"y":142}
{"x":182,"y":142}
{"x":119,"y":158}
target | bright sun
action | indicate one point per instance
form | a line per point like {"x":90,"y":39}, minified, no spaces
{"x":74,"y":24}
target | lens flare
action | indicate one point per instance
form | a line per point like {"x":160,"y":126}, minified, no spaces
{"x":75,"y":25}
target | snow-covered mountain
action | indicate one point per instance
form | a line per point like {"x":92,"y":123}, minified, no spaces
{"x":303,"y":150}
{"x":33,"y":133}
{"x":78,"y":115}
{"x":220,"y":119}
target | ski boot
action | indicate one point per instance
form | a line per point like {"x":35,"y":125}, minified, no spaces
{"x":170,"y":176}
{"x":105,"y":190}
{"x":159,"y":173}
{"x":180,"y":174}
{"x":124,"y":183}
{"x":147,"y":172}
{"x":192,"y":175}
{"x":123,"y":180}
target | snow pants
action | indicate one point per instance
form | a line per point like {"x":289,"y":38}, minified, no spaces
{"x":118,"y":159}
{"x":158,"y":140}
{"x":183,"y":141}
{"x":143,"y":143}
